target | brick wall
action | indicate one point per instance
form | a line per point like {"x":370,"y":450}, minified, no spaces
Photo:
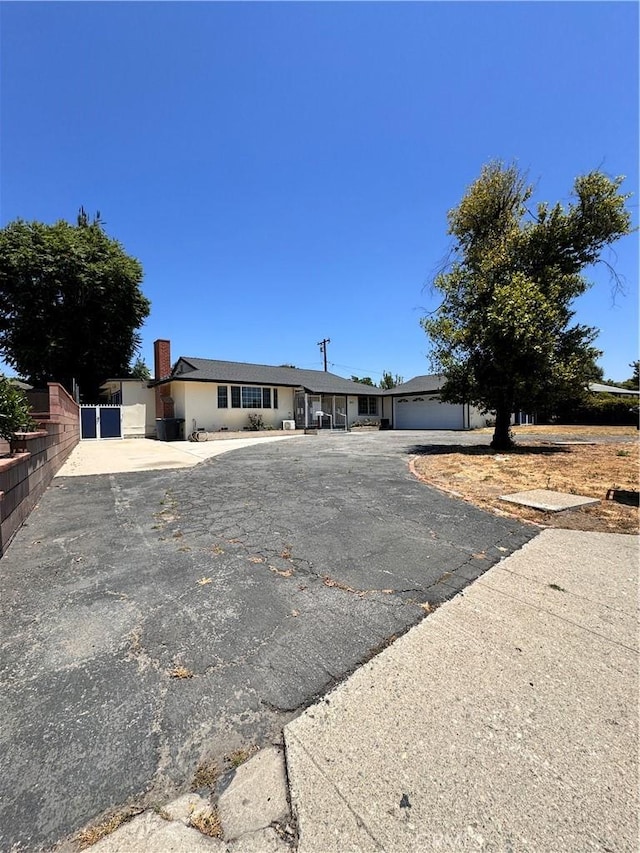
{"x":35,"y":459}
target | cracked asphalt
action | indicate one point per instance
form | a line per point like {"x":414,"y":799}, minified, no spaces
{"x":262,"y":577}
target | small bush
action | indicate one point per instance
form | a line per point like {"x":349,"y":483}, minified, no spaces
{"x":14,"y":410}
{"x":255,"y":422}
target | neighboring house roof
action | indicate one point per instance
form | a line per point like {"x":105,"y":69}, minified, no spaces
{"x":598,"y":388}
{"x":432,"y":382}
{"x":428,"y":384}
{"x":232,"y":372}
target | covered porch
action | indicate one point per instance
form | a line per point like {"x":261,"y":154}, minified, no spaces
{"x":320,"y":411}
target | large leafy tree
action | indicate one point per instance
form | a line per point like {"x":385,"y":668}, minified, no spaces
{"x":70,"y":302}
{"x":503,"y":334}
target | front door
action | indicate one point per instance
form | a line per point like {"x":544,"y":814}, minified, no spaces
{"x":315,"y":406}
{"x":298,"y":409}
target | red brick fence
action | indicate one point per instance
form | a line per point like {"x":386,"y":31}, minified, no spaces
{"x":36,"y":457}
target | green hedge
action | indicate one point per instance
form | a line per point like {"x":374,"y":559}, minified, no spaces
{"x":601,"y":409}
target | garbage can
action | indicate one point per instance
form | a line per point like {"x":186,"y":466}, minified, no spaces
{"x":168,"y":429}
{"x":384,"y":423}
{"x":172,"y":428}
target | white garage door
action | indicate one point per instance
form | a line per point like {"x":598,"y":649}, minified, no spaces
{"x":423,"y":413}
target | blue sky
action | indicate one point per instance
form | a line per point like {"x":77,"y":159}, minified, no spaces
{"x":283,"y":170}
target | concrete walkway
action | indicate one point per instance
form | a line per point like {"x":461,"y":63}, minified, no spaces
{"x":505,"y":721}
{"x":118,"y":456}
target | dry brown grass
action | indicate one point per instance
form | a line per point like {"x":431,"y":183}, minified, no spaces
{"x":207,"y":822}
{"x":239,"y":756}
{"x":180,"y":672}
{"x":566,"y":429}
{"x":92,"y":834}
{"x":480,"y":476}
{"x":206,"y":775}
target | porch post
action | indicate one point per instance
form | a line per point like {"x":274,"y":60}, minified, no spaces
{"x":306,"y":410}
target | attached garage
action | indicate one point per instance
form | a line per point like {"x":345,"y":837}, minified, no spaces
{"x":427,"y":413}
{"x":416,"y":405}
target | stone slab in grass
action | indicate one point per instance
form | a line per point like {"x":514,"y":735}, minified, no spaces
{"x":547,"y":500}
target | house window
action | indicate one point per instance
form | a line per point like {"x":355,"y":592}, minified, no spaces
{"x":223,"y":400}
{"x":367,"y":405}
{"x":251,"y":397}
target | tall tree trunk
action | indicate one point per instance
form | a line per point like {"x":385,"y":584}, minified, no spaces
{"x":501,"y":436}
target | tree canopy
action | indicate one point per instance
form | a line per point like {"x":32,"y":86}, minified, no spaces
{"x":633,"y":383}
{"x":140,"y":370}
{"x":70,"y":302}
{"x":503,"y":333}
{"x":389,"y":380}
{"x":365,"y":380}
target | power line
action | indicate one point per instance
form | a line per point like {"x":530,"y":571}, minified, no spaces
{"x":359,"y":369}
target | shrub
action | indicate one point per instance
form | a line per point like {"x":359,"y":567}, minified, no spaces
{"x":14,"y":410}
{"x":255,"y":422}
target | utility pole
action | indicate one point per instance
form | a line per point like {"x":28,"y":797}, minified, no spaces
{"x":323,"y":349}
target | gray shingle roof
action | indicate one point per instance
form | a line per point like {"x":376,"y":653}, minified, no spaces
{"x":315,"y":381}
{"x":418,"y":385}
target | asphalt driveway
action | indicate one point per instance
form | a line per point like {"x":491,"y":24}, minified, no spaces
{"x":152,"y":620}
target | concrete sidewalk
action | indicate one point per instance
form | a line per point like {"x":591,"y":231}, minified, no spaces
{"x":122,"y":455}
{"x":505,"y":721}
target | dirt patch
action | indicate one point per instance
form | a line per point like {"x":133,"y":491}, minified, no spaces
{"x":480,"y":475}
{"x":581,"y":430}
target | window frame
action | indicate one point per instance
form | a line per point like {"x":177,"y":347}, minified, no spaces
{"x":250,"y":397}
{"x":368,"y":403}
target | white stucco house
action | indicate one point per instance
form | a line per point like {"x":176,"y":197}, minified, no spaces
{"x":215,"y":395}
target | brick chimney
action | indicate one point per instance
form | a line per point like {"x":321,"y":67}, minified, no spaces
{"x":161,"y":370}
{"x":161,"y":359}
